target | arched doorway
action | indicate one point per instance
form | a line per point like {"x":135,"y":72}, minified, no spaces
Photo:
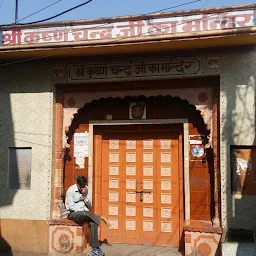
{"x":137,"y":212}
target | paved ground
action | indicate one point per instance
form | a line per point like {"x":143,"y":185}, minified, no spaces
{"x":21,"y":254}
{"x":138,"y":250}
{"x":122,"y":250}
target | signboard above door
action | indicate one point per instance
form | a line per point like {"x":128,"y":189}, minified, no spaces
{"x":136,"y":68}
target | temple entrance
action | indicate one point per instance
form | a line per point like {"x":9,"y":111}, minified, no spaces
{"x":143,"y":209}
{"x":139,"y":178}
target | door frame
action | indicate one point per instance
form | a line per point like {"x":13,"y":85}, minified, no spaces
{"x":145,"y":122}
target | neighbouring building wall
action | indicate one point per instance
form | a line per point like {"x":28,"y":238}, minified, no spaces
{"x":26,"y":114}
{"x":237,"y":127}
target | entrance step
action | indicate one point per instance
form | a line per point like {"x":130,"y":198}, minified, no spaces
{"x":138,"y":250}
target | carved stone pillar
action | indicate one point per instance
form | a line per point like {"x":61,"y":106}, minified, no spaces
{"x":58,"y":209}
{"x":216,"y":220}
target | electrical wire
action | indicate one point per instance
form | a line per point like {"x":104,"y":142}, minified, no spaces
{"x":59,"y":14}
{"x":46,"y":7}
{"x":158,"y":11}
{"x":49,"y":18}
{"x":173,"y":7}
{"x":1,"y":3}
{"x":93,"y":46}
{"x":142,"y":16}
{"x":122,"y":38}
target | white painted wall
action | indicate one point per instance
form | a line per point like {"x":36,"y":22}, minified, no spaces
{"x":237,"y":127}
{"x":26,"y":107}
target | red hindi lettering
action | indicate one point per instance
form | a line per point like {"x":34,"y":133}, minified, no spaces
{"x":133,"y":28}
{"x":60,"y":35}
{"x":47,"y":36}
{"x":101,"y":33}
{"x":191,"y":26}
{"x":12,"y":37}
{"x":80,"y":34}
{"x":227,"y":21}
{"x":209,"y":22}
{"x":162,"y":28}
{"x":244,"y":20}
{"x":218,"y":21}
{"x":31,"y":37}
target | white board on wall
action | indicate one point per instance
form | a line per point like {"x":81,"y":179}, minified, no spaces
{"x":81,"y":144}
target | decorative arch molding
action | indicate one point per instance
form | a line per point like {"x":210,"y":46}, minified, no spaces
{"x":99,"y":109}
{"x":198,"y":98}
{"x":178,"y":108}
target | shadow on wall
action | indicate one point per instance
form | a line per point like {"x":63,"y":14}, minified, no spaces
{"x":8,"y":187}
{"x":4,"y":246}
{"x":239,"y":135}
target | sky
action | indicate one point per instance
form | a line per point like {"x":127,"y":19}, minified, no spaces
{"x":99,"y":8}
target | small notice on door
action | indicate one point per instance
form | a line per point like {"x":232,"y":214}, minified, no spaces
{"x":81,"y":144}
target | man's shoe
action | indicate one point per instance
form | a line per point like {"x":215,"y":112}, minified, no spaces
{"x":96,"y":252}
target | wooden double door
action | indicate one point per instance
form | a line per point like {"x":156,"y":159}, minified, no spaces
{"x":137,"y":184}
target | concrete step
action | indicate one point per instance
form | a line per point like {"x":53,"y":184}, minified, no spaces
{"x":138,"y":250}
{"x":239,"y":249}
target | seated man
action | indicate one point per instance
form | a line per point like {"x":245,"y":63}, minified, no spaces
{"x":78,"y":205}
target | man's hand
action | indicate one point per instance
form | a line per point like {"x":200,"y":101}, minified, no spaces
{"x":84,"y":191}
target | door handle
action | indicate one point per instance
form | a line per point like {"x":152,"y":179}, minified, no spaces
{"x":141,"y":192}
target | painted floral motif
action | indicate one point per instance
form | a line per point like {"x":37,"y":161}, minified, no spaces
{"x":113,"y":210}
{"x":130,"y":157}
{"x":147,"y":144}
{"x":113,"y":144}
{"x":130,"y":224}
{"x":148,"y":170}
{"x":130,"y":170}
{"x":147,"y":157}
{"x":130,"y":210}
{"x":165,"y":171}
{"x":148,"y":211}
{"x":166,"y":226}
{"x":131,"y":144}
{"x":165,"y":144}
{"x":147,"y":225}
{"x":166,"y":212}
{"x":114,"y":157}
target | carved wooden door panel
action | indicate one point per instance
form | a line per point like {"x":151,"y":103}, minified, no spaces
{"x":140,"y":184}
